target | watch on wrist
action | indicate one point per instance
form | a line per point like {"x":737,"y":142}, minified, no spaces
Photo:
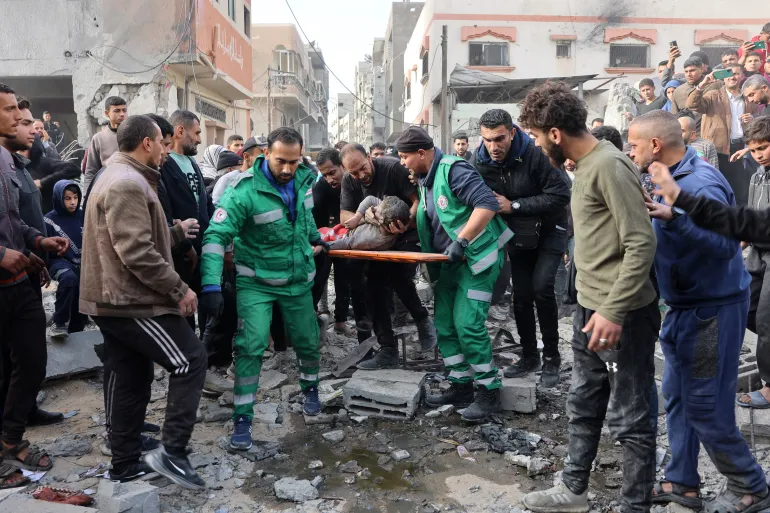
{"x":463,"y":243}
{"x":515,"y":205}
{"x":676,"y":212}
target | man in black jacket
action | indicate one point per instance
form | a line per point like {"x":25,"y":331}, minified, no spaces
{"x":532,"y":195}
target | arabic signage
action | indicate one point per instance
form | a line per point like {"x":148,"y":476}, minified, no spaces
{"x":227,"y":46}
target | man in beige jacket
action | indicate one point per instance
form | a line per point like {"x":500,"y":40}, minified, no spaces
{"x":130,"y":288}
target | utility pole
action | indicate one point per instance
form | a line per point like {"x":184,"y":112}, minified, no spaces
{"x":269,"y":102}
{"x":446,"y":130}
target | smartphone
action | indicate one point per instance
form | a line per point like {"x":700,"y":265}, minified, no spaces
{"x":673,"y":44}
{"x":722,"y":74}
{"x":757,"y":45}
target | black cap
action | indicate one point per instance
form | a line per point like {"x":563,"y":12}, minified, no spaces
{"x":228,"y":159}
{"x":249,"y":144}
{"x":414,"y":138}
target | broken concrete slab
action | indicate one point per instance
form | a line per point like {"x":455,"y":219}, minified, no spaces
{"x":272,"y":379}
{"x":761,"y":423}
{"x":70,"y":445}
{"x":518,"y":394}
{"x":295,"y":490}
{"x":334,"y":437}
{"x":266,"y":413}
{"x":18,"y":503}
{"x":354,"y":357}
{"x":134,"y":497}
{"x":74,"y":356}
{"x":391,"y":393}
{"x":261,"y":450}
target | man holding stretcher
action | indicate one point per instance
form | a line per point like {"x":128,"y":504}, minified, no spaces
{"x":457,"y":216}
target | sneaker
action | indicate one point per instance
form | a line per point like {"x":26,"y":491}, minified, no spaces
{"x":427,"y":334}
{"x":558,"y":499}
{"x":148,"y":444}
{"x":523,"y":367}
{"x":241,"y":439}
{"x":458,"y":395}
{"x":549,"y":378}
{"x":149,"y":427}
{"x":385,"y":359}
{"x":312,"y":404}
{"x":486,"y":403}
{"x":175,"y":468}
{"x":500,"y":313}
{"x":58,"y":331}
{"x":132,"y":472}
{"x":215,"y":385}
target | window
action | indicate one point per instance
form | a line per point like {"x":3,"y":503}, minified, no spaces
{"x":247,"y":22}
{"x":715,"y":52}
{"x":563,"y":49}
{"x":629,"y":56}
{"x":425,"y":70}
{"x":488,"y":54}
{"x":231,"y":9}
{"x":408,"y":91}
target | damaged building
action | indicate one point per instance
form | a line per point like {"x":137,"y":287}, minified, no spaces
{"x":160,"y":55}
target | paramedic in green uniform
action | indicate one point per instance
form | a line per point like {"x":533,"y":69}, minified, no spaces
{"x":268,"y":213}
{"x":457,"y":217}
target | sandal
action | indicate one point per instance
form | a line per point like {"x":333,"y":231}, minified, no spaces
{"x":677,"y":495}
{"x":31,"y":462}
{"x":730,"y":502}
{"x":6,"y":472}
{"x":756,"y":400}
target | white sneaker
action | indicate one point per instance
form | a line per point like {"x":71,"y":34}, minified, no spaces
{"x":558,"y":499}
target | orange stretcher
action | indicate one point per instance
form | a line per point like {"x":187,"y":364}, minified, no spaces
{"x":404,"y":257}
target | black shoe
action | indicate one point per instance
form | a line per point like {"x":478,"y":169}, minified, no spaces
{"x":486,"y":403}
{"x":523,"y":367}
{"x":458,"y":395}
{"x":426,"y":332}
{"x":149,"y":427}
{"x":132,"y":472}
{"x":175,"y":468}
{"x":44,"y":418}
{"x":311,"y":406}
{"x":148,"y":444}
{"x":549,"y":378}
{"x":385,"y":359}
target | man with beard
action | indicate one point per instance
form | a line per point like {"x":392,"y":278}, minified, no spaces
{"x":532,"y":195}
{"x":184,"y":196}
{"x":617,"y":319}
{"x":703,"y":331}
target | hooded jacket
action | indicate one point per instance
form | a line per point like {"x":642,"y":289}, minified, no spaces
{"x":696,"y":267}
{"x":527,"y":178}
{"x":49,"y":171}
{"x":61,"y":223}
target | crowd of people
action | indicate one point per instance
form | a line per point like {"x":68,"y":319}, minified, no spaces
{"x":186,"y":265}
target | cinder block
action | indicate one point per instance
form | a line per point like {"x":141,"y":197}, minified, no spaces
{"x":136,"y":497}
{"x":761,"y":424}
{"x":518,"y":394}
{"x":391,"y":394}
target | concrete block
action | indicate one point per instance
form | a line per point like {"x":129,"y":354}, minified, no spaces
{"x":748,"y":376}
{"x":391,"y":394}
{"x":18,"y":503}
{"x":74,"y":355}
{"x":136,"y":497}
{"x":518,"y":394}
{"x":761,"y":424}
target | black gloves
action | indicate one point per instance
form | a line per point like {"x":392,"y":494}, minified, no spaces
{"x":212,"y":303}
{"x":456,"y":250}
{"x":320,"y":242}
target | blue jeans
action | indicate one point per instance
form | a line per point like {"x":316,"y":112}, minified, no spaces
{"x":702,"y":347}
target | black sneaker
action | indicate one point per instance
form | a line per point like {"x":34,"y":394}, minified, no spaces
{"x":523,"y":367}
{"x":486,"y":403}
{"x":132,"y":472}
{"x":385,"y":359}
{"x":149,"y":427}
{"x":148,"y":444}
{"x":549,"y":378}
{"x":458,"y":395}
{"x":175,"y":468}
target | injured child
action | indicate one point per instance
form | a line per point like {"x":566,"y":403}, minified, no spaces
{"x":367,"y":227}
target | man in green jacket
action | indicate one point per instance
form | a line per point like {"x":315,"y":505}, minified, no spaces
{"x":268,"y":213}
{"x":457,"y":216}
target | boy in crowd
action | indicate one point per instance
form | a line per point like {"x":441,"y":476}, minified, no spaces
{"x":66,"y":220}
{"x":105,"y":143}
{"x":368,"y":225}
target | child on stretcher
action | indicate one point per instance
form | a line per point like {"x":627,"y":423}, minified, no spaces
{"x":367,"y":226}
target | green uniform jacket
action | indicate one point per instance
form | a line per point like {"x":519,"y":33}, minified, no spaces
{"x":482,"y":251}
{"x":268,"y":246}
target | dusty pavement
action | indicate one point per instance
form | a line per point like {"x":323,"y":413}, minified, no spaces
{"x":355,"y":464}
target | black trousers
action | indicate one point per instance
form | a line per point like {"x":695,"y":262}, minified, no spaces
{"x":534,"y":274}
{"x":736,"y":174}
{"x":614,"y":384}
{"x":130,"y":348}
{"x":757,"y":264}
{"x":345,"y":292}
{"x":23,"y":355}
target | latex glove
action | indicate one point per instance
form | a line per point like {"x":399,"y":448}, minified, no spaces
{"x":455,"y":252}
{"x":212,"y":303}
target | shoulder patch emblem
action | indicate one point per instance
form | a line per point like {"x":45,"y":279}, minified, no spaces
{"x":442,"y":202}
{"x":219,"y":215}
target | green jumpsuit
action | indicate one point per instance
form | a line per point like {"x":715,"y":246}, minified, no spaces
{"x":463,"y":291}
{"x":274,"y":265}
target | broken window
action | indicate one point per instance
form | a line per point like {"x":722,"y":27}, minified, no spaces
{"x":563,"y":49}
{"x":488,"y":54}
{"x":629,"y":56}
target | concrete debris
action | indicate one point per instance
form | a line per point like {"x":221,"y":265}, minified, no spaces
{"x":258,"y":452}
{"x":272,"y":379}
{"x":217,"y":414}
{"x":433,"y":414}
{"x":198,"y":460}
{"x":355,"y":356}
{"x":134,"y":497}
{"x":446,"y":410}
{"x":295,"y":490}
{"x":317,"y":481}
{"x":320,"y":419}
{"x":391,"y":394}
{"x":70,"y":445}
{"x":534,"y":465}
{"x":518,"y":394}
{"x":316,"y":464}
{"x":400,"y":455}
{"x":226,"y":399}
{"x":225,"y":471}
{"x":19,"y":503}
{"x":334,"y":437}
{"x":75,"y":356}
{"x":350,"y":480}
{"x":266,"y":413}
{"x":359,"y":419}
{"x":351,"y":467}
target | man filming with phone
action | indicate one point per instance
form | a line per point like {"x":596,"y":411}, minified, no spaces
{"x":757,"y":44}
{"x":725,"y":115}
